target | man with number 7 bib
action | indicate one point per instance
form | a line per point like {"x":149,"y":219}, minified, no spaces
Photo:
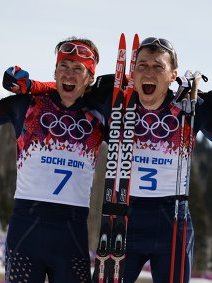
{"x":58,"y":137}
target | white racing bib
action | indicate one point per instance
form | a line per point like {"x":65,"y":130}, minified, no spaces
{"x":157,"y":144}
{"x":154,"y":174}
{"x":56,"y":154}
{"x":57,"y":176}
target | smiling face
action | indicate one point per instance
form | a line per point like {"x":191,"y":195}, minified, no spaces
{"x":72,"y":79}
{"x":152,"y":77}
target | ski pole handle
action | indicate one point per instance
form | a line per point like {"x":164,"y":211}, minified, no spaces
{"x":197,"y":76}
{"x":184,"y":86}
{"x":194,"y":89}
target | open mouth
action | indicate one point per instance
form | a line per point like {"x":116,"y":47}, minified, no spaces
{"x":68,"y":87}
{"x":148,"y":88}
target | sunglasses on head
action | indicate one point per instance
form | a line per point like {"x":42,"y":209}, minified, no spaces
{"x":161,"y":41}
{"x":79,"y":49}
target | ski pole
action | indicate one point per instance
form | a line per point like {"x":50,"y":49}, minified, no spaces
{"x":178,"y":183}
{"x":193,"y":100}
{"x":181,"y":96}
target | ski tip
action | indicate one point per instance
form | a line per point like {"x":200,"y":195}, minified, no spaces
{"x":136,"y":36}
{"x":136,"y":40}
{"x":122,"y":37}
{"x":122,"y":41}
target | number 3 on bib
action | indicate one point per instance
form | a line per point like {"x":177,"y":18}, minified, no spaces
{"x":147,"y":176}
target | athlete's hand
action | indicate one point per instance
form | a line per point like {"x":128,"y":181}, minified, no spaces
{"x":16,"y":80}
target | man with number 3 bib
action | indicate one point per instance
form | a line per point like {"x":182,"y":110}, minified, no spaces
{"x":162,"y":145}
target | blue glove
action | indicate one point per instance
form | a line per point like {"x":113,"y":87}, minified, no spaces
{"x":16,"y":80}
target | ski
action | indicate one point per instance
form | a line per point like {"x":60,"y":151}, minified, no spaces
{"x":101,"y":268}
{"x":119,"y":231}
{"x":109,"y":263}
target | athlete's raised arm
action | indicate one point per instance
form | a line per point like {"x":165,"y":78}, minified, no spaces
{"x":17,"y":80}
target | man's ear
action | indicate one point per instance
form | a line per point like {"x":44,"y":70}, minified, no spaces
{"x":174,"y":76}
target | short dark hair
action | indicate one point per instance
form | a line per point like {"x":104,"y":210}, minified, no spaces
{"x":157,"y":47}
{"x":82,"y":40}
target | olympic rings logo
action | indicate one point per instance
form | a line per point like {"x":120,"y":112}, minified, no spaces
{"x":151,"y":123}
{"x":66,"y":124}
